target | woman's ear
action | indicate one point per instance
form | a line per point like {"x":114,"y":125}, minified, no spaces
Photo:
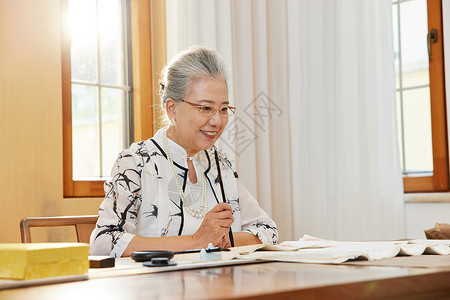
{"x":170,"y":107}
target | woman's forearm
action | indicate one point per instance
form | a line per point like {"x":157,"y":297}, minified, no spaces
{"x":183,"y":242}
{"x":245,"y":238}
{"x":172,"y":243}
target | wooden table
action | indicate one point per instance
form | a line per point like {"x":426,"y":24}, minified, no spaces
{"x":269,"y":280}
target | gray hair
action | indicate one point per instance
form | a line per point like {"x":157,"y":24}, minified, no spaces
{"x":185,"y":68}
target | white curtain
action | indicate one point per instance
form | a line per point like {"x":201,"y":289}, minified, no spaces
{"x":315,"y":138}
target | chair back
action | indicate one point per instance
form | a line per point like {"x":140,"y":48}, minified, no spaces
{"x":83,"y":225}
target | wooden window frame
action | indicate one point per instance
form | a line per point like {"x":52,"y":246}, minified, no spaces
{"x":439,"y":180}
{"x":142,"y":26}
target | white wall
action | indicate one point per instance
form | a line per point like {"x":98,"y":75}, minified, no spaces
{"x":421,"y":216}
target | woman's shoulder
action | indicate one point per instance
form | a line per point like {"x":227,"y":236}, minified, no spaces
{"x":143,"y":150}
{"x":139,"y":147}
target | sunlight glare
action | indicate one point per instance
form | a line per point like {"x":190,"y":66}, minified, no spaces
{"x":83,"y":22}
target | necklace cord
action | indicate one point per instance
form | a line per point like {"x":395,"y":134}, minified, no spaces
{"x":219,"y":174}
{"x":196,"y":213}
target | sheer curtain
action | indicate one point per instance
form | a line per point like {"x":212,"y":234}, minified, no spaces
{"x":315,"y":137}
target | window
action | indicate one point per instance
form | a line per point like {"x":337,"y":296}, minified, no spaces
{"x":101,"y":85}
{"x":419,"y":67}
{"x":105,"y":99}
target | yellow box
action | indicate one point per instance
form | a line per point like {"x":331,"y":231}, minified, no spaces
{"x":42,"y":260}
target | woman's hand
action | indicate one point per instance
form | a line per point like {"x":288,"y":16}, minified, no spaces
{"x":215,"y":227}
{"x":225,"y":242}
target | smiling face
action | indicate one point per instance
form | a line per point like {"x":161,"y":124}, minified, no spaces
{"x":193,"y":131}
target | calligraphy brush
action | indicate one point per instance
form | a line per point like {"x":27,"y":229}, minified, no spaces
{"x":219,"y":174}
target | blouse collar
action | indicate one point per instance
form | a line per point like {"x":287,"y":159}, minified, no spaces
{"x":179,"y":154}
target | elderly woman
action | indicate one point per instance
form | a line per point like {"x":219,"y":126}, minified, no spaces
{"x":176,"y":191}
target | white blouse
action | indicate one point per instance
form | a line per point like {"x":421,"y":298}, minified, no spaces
{"x":141,"y":198}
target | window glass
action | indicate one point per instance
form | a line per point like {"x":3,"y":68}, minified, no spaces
{"x":410,"y":25}
{"x":417,"y":131}
{"x":101,"y":89}
{"x":83,"y":30}
{"x":414,"y":54}
{"x":114,"y":126}
{"x":113,"y":50}
{"x":85,"y":131}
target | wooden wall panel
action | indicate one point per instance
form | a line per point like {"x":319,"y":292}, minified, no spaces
{"x":30,"y":113}
{"x":31,"y":164}
{"x":159,"y":55}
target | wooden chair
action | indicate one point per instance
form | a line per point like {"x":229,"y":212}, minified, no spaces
{"x":83,"y":225}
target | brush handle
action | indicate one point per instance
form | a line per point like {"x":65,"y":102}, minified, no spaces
{"x":230,"y":233}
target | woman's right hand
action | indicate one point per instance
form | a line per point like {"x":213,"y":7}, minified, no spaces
{"x":215,"y":226}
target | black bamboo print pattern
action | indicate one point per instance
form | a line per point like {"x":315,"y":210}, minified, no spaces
{"x":122,"y":210}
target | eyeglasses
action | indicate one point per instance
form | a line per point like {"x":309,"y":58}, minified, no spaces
{"x":225,"y":111}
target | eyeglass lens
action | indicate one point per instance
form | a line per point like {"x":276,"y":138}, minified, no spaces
{"x":209,"y":111}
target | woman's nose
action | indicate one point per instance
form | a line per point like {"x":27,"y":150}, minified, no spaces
{"x":216,"y":119}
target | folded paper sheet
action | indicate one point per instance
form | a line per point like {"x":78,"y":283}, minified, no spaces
{"x":309,"y":249}
{"x":42,"y":260}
